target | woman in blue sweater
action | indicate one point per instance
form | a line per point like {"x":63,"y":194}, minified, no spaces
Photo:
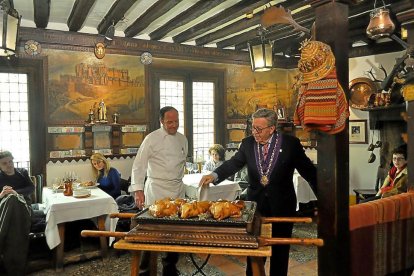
{"x":109,"y":178}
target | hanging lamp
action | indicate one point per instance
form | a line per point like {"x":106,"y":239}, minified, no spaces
{"x":9,"y":26}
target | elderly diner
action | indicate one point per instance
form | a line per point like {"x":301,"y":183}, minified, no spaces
{"x":206,"y":137}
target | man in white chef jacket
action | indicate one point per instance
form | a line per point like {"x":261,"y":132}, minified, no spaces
{"x":161,"y":158}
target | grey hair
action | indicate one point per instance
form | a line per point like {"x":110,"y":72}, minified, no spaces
{"x":268,"y":114}
{"x":5,"y":153}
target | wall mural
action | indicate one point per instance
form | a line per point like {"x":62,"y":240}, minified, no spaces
{"x":78,"y":81}
{"x":247,"y":91}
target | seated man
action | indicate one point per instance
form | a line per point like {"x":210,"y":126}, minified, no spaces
{"x":396,"y":180}
{"x":15,"y":215}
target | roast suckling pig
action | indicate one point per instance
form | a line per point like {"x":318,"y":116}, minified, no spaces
{"x":225,"y":209}
{"x":194,"y":208}
{"x":181,"y":207}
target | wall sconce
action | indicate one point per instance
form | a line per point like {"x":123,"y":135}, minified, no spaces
{"x":261,"y":55}
{"x":9,"y":26}
{"x":380,"y":24}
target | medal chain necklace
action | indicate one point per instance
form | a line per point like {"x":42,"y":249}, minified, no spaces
{"x":264,"y":179}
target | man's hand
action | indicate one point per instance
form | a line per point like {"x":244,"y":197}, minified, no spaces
{"x":139,"y":198}
{"x":7,"y":190}
{"x":206,"y":179}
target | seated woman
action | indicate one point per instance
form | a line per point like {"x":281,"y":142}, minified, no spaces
{"x":15,"y":215}
{"x":396,"y":180}
{"x":109,"y":178}
{"x":216,"y":153}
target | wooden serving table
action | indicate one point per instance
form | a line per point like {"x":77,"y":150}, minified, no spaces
{"x":256,"y":254}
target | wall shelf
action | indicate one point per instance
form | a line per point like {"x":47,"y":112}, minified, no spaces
{"x":379,"y":115}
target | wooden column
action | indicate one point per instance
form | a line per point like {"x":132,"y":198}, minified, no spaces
{"x":406,"y":19}
{"x":333,"y":151}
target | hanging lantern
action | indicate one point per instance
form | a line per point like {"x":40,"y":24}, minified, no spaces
{"x":261,"y":56}
{"x":9,"y":26}
{"x":380,"y":23}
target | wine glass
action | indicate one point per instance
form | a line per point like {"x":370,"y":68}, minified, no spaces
{"x":195,"y":168}
{"x":56,"y":184}
{"x":189,"y":167}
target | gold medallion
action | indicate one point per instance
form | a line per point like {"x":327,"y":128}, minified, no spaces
{"x":264,"y":180}
{"x":99,"y":50}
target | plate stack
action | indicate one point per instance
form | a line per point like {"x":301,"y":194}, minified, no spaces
{"x":81,"y":193}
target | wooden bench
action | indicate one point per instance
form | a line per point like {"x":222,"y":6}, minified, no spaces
{"x":382,"y":235}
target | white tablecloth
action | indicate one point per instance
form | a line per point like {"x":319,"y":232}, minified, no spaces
{"x":60,"y":208}
{"x":304,"y":193}
{"x":227,"y":189}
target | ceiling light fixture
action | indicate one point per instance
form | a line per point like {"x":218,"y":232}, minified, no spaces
{"x":261,"y":55}
{"x":380,"y":23}
{"x":9,"y":26}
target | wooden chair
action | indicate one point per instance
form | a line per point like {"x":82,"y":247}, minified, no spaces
{"x":40,"y":256}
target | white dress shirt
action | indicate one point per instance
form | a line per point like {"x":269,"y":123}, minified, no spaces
{"x":161,"y":157}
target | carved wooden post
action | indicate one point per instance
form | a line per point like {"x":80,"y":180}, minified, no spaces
{"x":333,"y":151}
{"x":406,"y":21}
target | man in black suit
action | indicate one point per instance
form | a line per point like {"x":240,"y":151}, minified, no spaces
{"x":271,"y":158}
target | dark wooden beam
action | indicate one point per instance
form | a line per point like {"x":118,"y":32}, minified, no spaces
{"x":275,"y":33}
{"x":154,"y":12}
{"x":229,"y":30}
{"x":75,"y":41}
{"x":231,"y":13}
{"x":41,"y":13}
{"x":375,"y":49}
{"x":116,"y":13}
{"x":188,"y":15}
{"x":405,"y":18}
{"x":79,"y":13}
{"x":333,"y":153}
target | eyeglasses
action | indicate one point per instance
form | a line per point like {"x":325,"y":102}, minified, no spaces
{"x":398,"y":158}
{"x":259,"y":130}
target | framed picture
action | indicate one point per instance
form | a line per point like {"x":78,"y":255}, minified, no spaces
{"x":358,"y":132}
{"x":281,"y":116}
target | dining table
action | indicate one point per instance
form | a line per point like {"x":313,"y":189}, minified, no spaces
{"x":226,"y":190}
{"x":60,"y":209}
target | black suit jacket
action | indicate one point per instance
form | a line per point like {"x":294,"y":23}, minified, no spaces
{"x":280,"y":191}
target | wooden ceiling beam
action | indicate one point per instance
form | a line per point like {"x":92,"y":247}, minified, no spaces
{"x":188,"y":15}
{"x":275,"y":32}
{"x":41,"y":13}
{"x":116,"y":13}
{"x":375,"y":49}
{"x":240,"y":26}
{"x":236,"y":27}
{"x":155,"y":11}
{"x":219,"y":19}
{"x":78,"y":15}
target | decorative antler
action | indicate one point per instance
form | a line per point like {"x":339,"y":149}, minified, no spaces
{"x":383,"y":70}
{"x":274,"y":15}
{"x":371,"y":73}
